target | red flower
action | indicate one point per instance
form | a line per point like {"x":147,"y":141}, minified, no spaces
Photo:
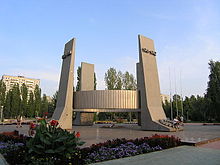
{"x":32,"y":126}
{"x":77,"y":134}
{"x":54,"y":123}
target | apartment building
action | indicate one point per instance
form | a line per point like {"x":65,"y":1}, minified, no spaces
{"x":165,"y":98}
{"x":11,"y":80}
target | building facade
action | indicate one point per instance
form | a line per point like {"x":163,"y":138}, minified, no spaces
{"x":165,"y":98}
{"x":10,"y":81}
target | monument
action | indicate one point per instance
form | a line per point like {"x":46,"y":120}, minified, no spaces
{"x":64,"y":106}
{"x":145,"y":100}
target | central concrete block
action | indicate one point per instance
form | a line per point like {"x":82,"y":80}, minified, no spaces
{"x":87,"y":84}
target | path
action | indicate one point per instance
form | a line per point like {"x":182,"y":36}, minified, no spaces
{"x":183,"y":155}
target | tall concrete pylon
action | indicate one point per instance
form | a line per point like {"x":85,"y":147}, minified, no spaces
{"x":64,"y":106}
{"x":86,"y":84}
{"x":148,"y":85}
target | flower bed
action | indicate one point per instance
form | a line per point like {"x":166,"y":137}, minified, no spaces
{"x":119,"y":148}
{"x":52,"y":145}
{"x":13,"y":147}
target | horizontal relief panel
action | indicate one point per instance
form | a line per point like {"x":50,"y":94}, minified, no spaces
{"x":106,"y":99}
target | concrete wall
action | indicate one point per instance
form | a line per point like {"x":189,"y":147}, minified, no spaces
{"x":106,"y":99}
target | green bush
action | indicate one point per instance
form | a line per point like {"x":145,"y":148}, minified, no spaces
{"x":52,"y":144}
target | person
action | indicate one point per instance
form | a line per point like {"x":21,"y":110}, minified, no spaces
{"x":176,"y":123}
{"x":181,"y":119}
{"x":112,"y":125}
{"x":19,"y":120}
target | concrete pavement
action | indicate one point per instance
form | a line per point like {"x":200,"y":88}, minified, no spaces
{"x":183,"y":155}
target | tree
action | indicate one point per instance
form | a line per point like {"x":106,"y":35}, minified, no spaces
{"x":44,"y":105}
{"x":24,"y":99}
{"x":15,"y":101}
{"x":95,"y":81}
{"x":119,"y":82}
{"x":52,"y":104}
{"x":167,"y":108}
{"x":2,"y":93}
{"x":30,"y":107}
{"x":129,"y":82}
{"x":213,"y":90}
{"x":111,"y":78}
{"x":78,"y":78}
{"x":7,"y":107}
{"x":37,"y":100}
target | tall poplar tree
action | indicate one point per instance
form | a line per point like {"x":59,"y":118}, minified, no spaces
{"x":129,"y":82}
{"x":213,"y":90}
{"x":37,"y":100}
{"x":24,"y":99}
{"x":2,"y":93}
{"x":78,"y":78}
{"x":7,"y":108}
{"x":44,"y":105}
{"x":16,"y":101}
{"x":30,"y":105}
{"x":111,"y":78}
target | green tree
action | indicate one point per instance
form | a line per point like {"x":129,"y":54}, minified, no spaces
{"x":167,"y":108}
{"x":37,"y":100}
{"x":95,"y":81}
{"x":16,"y":101}
{"x":213,"y":90}
{"x":7,"y":107}
{"x":78,"y":78}
{"x":111,"y":78}
{"x":44,"y":104}
{"x":119,"y":82}
{"x":2,"y":93}
{"x":52,"y":104}
{"x":30,"y":111}
{"x":129,"y":82}
{"x":24,"y":99}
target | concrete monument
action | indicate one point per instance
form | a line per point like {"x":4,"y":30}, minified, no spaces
{"x":145,"y":100}
{"x":87,"y":84}
{"x":64,"y":106}
{"x":148,"y":85}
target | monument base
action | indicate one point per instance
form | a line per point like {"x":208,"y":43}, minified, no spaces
{"x":157,"y":126}
{"x":83,"y":119}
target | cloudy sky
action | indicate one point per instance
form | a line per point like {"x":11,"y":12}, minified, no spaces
{"x":186,"y":34}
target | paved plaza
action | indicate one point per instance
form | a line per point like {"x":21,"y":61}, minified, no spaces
{"x":183,"y":155}
{"x":208,"y":153}
{"x":95,"y":134}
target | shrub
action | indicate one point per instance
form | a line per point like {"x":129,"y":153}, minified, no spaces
{"x":51,"y":144}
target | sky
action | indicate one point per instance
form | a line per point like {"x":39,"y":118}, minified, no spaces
{"x":186,"y":35}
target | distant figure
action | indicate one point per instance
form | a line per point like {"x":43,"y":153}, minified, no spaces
{"x":19,"y":121}
{"x":112,"y":125}
{"x":181,"y":120}
{"x":176,"y":123}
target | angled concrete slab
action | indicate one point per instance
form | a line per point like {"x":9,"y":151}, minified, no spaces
{"x":148,"y":85}
{"x":63,"y":111}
